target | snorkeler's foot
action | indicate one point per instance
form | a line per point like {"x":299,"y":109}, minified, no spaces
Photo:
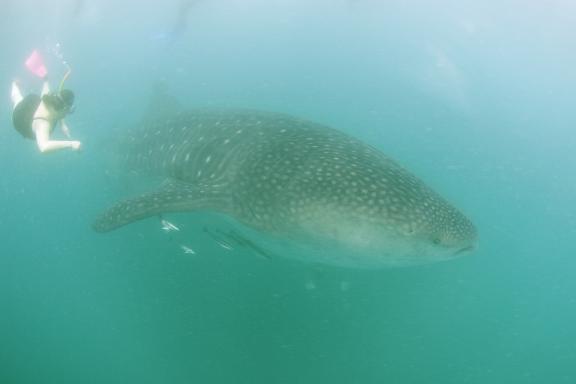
{"x":15,"y":93}
{"x":76,"y":145}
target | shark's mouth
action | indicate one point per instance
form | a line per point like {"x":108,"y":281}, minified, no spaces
{"x":464,"y":250}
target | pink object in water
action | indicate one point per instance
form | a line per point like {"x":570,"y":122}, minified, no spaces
{"x":35,"y":64}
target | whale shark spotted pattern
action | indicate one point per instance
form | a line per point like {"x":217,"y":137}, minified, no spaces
{"x":312,"y":191}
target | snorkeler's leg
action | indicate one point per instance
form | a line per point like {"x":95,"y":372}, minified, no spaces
{"x":45,"y":88}
{"x":15,"y":94}
{"x":42,"y":131}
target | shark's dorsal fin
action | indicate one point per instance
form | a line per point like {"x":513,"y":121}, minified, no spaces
{"x":161,"y":103}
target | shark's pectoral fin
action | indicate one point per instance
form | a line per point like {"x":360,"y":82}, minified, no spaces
{"x":171,"y":197}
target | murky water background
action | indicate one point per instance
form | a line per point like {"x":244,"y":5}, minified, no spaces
{"x":475,"y":98}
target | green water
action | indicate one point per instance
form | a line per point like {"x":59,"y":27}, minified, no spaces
{"x":476,"y":98}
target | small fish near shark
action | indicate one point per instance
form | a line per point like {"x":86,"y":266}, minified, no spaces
{"x":294,"y":187}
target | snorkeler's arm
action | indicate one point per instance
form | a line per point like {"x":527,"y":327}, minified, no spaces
{"x":45,"y":87}
{"x":65,"y":128}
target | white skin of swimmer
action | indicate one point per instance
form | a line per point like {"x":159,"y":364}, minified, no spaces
{"x":41,"y":123}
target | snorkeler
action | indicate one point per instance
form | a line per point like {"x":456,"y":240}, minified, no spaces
{"x":36,"y":116}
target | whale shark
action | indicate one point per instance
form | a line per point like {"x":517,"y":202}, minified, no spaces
{"x":293,"y":186}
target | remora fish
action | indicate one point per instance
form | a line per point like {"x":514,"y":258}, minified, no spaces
{"x":301,"y":188}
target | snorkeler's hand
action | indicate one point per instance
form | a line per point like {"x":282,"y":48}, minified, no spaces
{"x":76,"y":145}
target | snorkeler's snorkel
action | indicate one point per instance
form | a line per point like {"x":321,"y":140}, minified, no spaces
{"x":66,"y":75}
{"x":35,"y":64}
